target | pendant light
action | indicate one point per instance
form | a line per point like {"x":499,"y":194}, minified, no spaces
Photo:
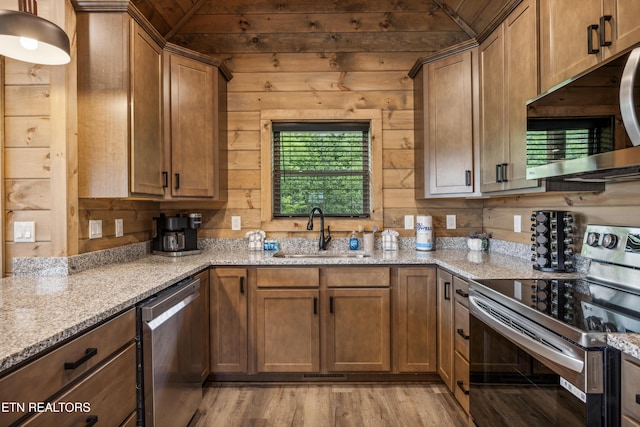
{"x":27,"y":37}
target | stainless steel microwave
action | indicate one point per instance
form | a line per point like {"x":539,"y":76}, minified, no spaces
{"x":587,"y":129}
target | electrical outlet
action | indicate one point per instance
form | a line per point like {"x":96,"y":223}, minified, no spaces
{"x":451,"y":222}
{"x":24,"y":232}
{"x":517,"y":223}
{"x":95,"y":228}
{"x":408,"y":222}
{"x":119,"y":227}
{"x":235,"y":223}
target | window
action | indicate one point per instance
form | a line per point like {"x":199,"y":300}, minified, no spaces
{"x":325,"y":164}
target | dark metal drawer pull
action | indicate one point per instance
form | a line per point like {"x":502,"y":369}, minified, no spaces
{"x":638,"y":399}
{"x":315,"y":305}
{"x":165,"y":179}
{"x":242,"y":285}
{"x":603,"y":32}
{"x":461,"y":333}
{"x":503,"y":168}
{"x":87,"y":355}
{"x":331,"y":305}
{"x":461,"y":385}
{"x":177,"y":181}
{"x":447,"y":295}
{"x":91,"y":420}
{"x":467,"y":178}
{"x":590,"y":49}
{"x":462,"y":294}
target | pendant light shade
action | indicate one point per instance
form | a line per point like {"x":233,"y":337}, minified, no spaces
{"x":27,"y":37}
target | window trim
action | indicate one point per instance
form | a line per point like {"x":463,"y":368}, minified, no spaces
{"x":267,"y":117}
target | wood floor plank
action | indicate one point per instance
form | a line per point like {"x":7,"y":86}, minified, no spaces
{"x":335,"y":405}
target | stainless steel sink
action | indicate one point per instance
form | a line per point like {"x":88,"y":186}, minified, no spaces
{"x":322,"y":255}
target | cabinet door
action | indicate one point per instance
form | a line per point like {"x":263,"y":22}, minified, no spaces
{"x":521,"y":80}
{"x":147,"y":144}
{"x":288,"y":330}
{"x":450,"y":125}
{"x":358,"y":330}
{"x":228,"y":315}
{"x":492,"y":137}
{"x":416,"y":320}
{"x":192,"y":127}
{"x":563,"y":38}
{"x":204,"y":316}
{"x":445,"y":327}
{"x":626,"y":25}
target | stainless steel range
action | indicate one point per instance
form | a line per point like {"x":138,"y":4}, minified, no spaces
{"x":538,"y":353}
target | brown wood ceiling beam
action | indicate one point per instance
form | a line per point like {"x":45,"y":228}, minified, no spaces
{"x":456,"y":18}
{"x":187,"y":16}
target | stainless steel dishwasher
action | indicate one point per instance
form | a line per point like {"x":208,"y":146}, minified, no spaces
{"x":170,"y":356}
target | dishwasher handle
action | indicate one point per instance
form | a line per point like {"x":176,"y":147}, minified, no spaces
{"x":185,"y":293}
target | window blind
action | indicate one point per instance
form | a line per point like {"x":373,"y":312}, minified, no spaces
{"x":321,"y":164}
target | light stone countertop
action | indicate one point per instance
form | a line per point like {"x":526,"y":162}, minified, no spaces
{"x":38,"y":312}
{"x":627,"y":343}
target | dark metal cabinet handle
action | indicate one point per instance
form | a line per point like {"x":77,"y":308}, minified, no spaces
{"x":242,"y":285}
{"x":590,"y":49}
{"x":638,"y":399}
{"x":603,"y":32}
{"x":467,"y":178}
{"x":503,"y":167}
{"x":91,"y":420}
{"x":315,"y":305}
{"x":88,"y":354}
{"x":331,"y":305}
{"x":447,"y":294}
{"x":177,"y":181}
{"x":498,"y":179}
{"x":462,"y":294}
{"x":165,"y":179}
{"x":461,"y":333}
{"x":461,"y":385}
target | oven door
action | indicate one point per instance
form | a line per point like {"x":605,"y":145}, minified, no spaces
{"x":523,"y":375}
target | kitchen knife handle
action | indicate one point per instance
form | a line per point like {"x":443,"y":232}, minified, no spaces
{"x":603,"y":32}
{"x":91,"y":420}
{"x":461,"y":333}
{"x":177,"y":181}
{"x":242,"y":285}
{"x":590,"y":49}
{"x":88,"y":354}
{"x":447,"y":294}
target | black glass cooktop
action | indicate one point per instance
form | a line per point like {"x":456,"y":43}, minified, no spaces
{"x":587,"y":306}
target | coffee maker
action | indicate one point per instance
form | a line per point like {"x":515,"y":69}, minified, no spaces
{"x":176,"y":235}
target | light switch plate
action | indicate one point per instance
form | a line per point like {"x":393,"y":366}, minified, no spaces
{"x":517,"y":223}
{"x":451,"y":222}
{"x":235,"y":223}
{"x":408,"y":222}
{"x":119,"y":227}
{"x":95,"y":228}
{"x":24,"y":232}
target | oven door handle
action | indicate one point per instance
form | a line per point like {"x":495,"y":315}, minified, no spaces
{"x":569,"y":362}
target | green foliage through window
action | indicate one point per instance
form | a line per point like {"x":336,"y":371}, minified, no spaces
{"x":321,"y":164}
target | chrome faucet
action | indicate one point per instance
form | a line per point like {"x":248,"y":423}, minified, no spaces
{"x":323,"y":241}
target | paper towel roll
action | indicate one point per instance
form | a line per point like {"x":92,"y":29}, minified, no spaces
{"x":424,"y":233}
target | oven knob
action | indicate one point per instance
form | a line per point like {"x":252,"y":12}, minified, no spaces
{"x":609,"y":327}
{"x":609,"y":241}
{"x":592,"y":239}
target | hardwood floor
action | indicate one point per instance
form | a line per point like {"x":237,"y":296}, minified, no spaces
{"x":330,"y":405}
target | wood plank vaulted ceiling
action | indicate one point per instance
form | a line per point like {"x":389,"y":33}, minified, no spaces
{"x":223,"y":27}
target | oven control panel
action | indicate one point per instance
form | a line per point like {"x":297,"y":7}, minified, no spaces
{"x":613,"y":244}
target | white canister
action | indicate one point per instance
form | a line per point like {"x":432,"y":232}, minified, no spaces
{"x":424,"y":233}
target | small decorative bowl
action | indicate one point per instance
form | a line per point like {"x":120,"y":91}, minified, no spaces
{"x":478,"y":244}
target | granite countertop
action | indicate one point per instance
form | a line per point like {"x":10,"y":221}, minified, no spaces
{"x":37,"y":312}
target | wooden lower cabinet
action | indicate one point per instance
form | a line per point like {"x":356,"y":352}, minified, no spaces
{"x":415,"y":320}
{"x":630,"y":391}
{"x":358,"y":330}
{"x":445,"y":326}
{"x":228,"y":320}
{"x":288,"y":330}
{"x":204,"y":318}
{"x":108,"y":396}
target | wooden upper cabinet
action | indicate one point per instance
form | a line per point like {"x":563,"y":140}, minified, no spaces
{"x":446,"y":111}
{"x":120,"y":134}
{"x":195,"y":126}
{"x":509,"y":77}
{"x":565,"y":37}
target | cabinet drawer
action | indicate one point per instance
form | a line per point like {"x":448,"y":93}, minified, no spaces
{"x":461,"y":327}
{"x":109,"y":394}
{"x":630,"y":387}
{"x":49,"y":372}
{"x":356,"y":277}
{"x":461,"y":383}
{"x":288,"y":277}
{"x":461,"y":291}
